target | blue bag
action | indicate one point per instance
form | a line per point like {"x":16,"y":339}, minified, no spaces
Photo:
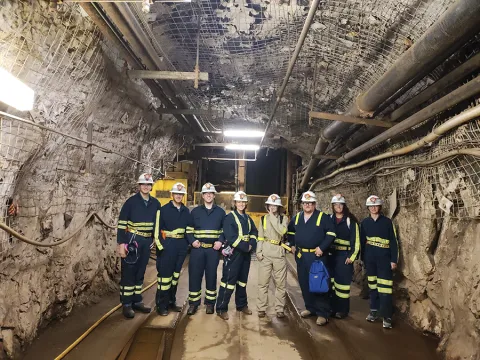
{"x":319,"y":279}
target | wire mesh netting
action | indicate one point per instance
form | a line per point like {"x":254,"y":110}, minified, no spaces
{"x":61,"y":55}
{"x":443,"y":185}
{"x":245,"y":46}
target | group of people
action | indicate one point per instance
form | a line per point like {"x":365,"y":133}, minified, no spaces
{"x":336,"y":240}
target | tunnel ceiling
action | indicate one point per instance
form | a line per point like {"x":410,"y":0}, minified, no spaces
{"x":245,"y":46}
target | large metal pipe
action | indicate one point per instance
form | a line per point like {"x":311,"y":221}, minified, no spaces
{"x":450,"y":124}
{"x":449,"y":32}
{"x":453,"y":77}
{"x":293,"y":59}
{"x":460,"y":94}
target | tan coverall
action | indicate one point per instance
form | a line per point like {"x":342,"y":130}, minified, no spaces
{"x":271,"y":260}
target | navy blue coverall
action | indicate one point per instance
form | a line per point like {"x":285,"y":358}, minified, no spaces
{"x":318,"y":231}
{"x":173,"y":224}
{"x":380,"y":246}
{"x":346,"y":245}
{"x":136,"y":223}
{"x":240,"y":232}
{"x":207,"y":228}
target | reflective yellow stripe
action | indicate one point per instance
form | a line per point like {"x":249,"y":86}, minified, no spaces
{"x":135,"y":231}
{"x":208,"y":231}
{"x":342,"y":295}
{"x":122,"y":221}
{"x":194,"y":293}
{"x":384,"y":246}
{"x":156,"y":234}
{"x":176,"y":275}
{"x":320,"y":218}
{"x":261,"y":239}
{"x":306,"y":250}
{"x":128,"y":293}
{"x":372,"y":286}
{"x":242,"y":284}
{"x":195,"y":298}
{"x":342,"y":248}
{"x":206,"y":246}
{"x":290,"y":233}
{"x":222,"y":284}
{"x":235,"y":244}
{"x":253,"y":237}
{"x":138,"y":292}
{"x":210,"y":297}
{"x":274,"y":242}
{"x":342,"y":242}
{"x":357,"y":244}
{"x":342,"y":287}
{"x":174,"y":282}
{"x":331,"y":233}
{"x":140,"y":223}
{"x":231,"y":287}
{"x":212,"y":292}
{"x":297,"y":217}
{"x":372,"y":278}
{"x":129,"y":288}
{"x":164,"y":287}
{"x":299,"y":255}
{"x":378,"y":240}
{"x":265,"y":222}
{"x":385,"y":282}
{"x":121,"y":227}
{"x":385,"y":290}
{"x":288,"y":248}
{"x":138,"y":286}
{"x":164,"y":280}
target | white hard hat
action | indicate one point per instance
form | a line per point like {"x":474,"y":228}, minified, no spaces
{"x":145,"y":179}
{"x":309,"y":196}
{"x":178,"y":188}
{"x":338,"y":199}
{"x":208,"y":188}
{"x":240,"y":196}
{"x":274,"y":199}
{"x":374,"y":200}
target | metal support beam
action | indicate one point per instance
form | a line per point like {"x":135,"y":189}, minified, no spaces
{"x":349,"y":119}
{"x":166,"y":75}
{"x":325,"y":156}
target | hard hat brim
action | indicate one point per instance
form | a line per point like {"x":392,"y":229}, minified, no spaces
{"x":272,"y":203}
{"x":178,"y":192}
{"x":208,"y":191}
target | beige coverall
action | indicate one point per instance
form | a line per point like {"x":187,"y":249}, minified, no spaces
{"x":271,"y":260}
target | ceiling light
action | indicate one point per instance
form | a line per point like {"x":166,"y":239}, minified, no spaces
{"x":242,"y":147}
{"x":15,"y":93}
{"x":243,"y":133}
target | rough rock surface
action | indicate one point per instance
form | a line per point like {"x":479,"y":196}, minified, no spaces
{"x":46,"y":173}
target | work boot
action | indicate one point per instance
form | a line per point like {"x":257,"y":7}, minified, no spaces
{"x":141,"y":307}
{"x":209,"y":310}
{"x":321,"y":321}
{"x":262,"y":314}
{"x":245,"y":310}
{"x":223,"y":315}
{"x":162,"y":312}
{"x":175,"y":308}
{"x":128,"y":312}
{"x":192,"y":309}
{"x":340,"y":315}
{"x":387,"y":323}
{"x":280,"y":314}
{"x":372,"y":317}
{"x":305,"y":313}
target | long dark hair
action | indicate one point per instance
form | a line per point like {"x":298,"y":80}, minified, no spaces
{"x":346,"y":212}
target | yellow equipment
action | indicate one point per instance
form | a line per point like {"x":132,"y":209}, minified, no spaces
{"x":161,"y":189}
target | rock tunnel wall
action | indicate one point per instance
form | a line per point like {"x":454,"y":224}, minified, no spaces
{"x":437,"y":217}
{"x":62,"y":56}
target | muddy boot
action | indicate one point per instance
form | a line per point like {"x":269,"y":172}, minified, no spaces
{"x":261,"y":314}
{"x":223,"y":315}
{"x":192,"y":309}
{"x":175,"y":308}
{"x":209,"y":310}
{"x":162,"y":312}
{"x":128,"y":312}
{"x":387,"y":323}
{"x":141,"y":307}
{"x":280,"y":314}
{"x":321,"y":321}
{"x":305,"y":313}
{"x":339,"y":315}
{"x":372,"y":317}
{"x":245,"y":310}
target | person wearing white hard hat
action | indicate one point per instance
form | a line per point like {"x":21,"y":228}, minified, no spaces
{"x":271,"y":256}
{"x":206,"y":238}
{"x":138,"y":218}
{"x":241,"y":236}
{"x":175,"y":221}
{"x":380,"y":248}
{"x":311,"y":233}
{"x":346,"y":248}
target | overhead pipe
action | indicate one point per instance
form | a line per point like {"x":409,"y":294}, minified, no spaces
{"x":291,"y":64}
{"x":452,"y":78}
{"x":460,"y":94}
{"x":443,"y":38}
{"x":450,"y":124}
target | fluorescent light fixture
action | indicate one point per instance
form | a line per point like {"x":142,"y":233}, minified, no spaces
{"x":242,"y":147}
{"x":243,"y":133}
{"x":15,"y":93}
